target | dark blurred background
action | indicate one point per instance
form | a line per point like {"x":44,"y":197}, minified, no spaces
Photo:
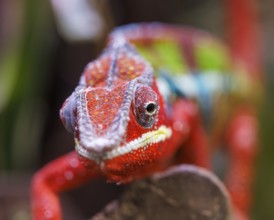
{"x":44,"y":46}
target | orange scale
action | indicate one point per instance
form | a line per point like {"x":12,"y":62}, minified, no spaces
{"x":101,"y":84}
{"x":103,"y":106}
{"x":96,"y":75}
{"x":131,"y":68}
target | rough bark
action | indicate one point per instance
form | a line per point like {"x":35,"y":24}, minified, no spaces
{"x":183,"y":192}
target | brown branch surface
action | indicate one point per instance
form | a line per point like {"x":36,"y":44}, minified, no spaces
{"x":183,"y":192}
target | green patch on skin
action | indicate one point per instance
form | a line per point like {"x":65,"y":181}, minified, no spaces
{"x":164,"y":54}
{"x":211,"y":55}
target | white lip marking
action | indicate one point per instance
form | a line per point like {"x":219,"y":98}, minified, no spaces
{"x":152,"y":137}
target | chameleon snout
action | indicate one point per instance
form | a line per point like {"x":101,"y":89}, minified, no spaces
{"x":100,"y":145}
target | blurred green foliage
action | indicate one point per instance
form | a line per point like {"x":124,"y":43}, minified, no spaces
{"x":263,"y":189}
{"x":23,"y":80}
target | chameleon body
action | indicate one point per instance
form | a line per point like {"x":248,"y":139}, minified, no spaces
{"x":157,"y":96}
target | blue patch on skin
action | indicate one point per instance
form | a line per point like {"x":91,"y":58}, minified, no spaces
{"x":67,"y":113}
{"x":173,"y":87}
{"x":205,"y":98}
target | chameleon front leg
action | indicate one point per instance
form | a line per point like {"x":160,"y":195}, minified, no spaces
{"x":242,"y":139}
{"x":61,"y":174}
{"x":189,"y":130}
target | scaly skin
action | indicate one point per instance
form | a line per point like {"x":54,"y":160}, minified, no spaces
{"x":129,"y":119}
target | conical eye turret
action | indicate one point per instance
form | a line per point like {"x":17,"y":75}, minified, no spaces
{"x":146,"y":106}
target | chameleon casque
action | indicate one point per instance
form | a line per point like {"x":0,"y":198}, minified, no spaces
{"x":157,"y":96}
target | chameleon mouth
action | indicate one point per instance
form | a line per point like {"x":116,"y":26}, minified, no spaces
{"x":152,"y":137}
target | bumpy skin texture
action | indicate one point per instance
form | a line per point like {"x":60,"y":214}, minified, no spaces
{"x":130,"y":120}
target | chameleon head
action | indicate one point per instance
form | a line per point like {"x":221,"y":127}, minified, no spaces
{"x":126,"y":119}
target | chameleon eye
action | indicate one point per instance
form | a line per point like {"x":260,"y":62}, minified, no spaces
{"x":146,"y":106}
{"x":151,"y":108}
{"x":68,"y":113}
